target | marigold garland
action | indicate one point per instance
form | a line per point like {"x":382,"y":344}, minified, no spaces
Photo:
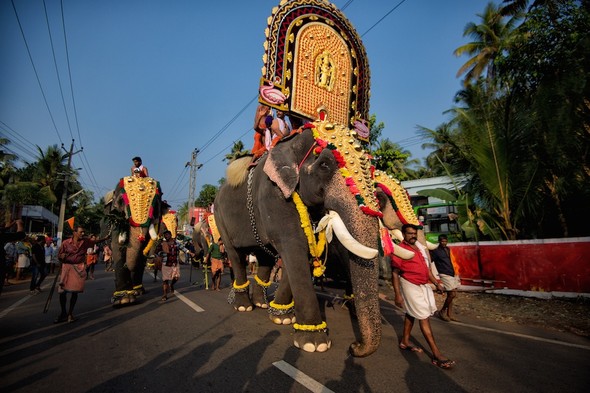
{"x":316,"y":248}
{"x":243,"y":286}
{"x":311,"y":328}
{"x":262,"y":283}
{"x":281,"y":306}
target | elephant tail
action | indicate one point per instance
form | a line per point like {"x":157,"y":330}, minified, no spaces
{"x":237,"y":170}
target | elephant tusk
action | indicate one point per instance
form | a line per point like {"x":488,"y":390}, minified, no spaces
{"x":398,"y":234}
{"x":402,"y":253}
{"x":153,"y":233}
{"x":335,"y":223}
{"x":122,"y":237}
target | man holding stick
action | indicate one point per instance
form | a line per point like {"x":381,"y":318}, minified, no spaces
{"x":72,"y":255}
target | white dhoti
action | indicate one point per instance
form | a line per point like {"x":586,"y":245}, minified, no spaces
{"x":450,"y":282}
{"x":418,"y":299}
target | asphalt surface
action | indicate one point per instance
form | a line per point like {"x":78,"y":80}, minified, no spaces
{"x":196,"y":342}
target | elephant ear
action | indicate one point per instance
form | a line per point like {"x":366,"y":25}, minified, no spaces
{"x":281,"y":166}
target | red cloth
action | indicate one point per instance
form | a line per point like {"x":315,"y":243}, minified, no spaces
{"x":414,"y":270}
{"x":72,"y":253}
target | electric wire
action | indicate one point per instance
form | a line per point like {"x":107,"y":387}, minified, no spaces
{"x":35,"y":71}
{"x":57,"y":70}
{"x":25,"y":143}
{"x":243,"y":109}
{"x":63,"y":23}
{"x":227,"y":125}
{"x":383,"y":17}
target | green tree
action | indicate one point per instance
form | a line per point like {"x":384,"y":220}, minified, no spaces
{"x":491,"y":38}
{"x":493,"y":152}
{"x":182,"y":212}
{"x":548,"y":70}
{"x":206,"y":196}
{"x":237,"y":151}
{"x":442,"y":145}
{"x":392,"y":159}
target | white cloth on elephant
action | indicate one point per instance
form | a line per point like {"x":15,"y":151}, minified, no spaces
{"x":418,"y":299}
{"x":170,"y":272}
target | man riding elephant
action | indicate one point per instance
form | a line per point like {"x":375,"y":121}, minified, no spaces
{"x":134,"y":212}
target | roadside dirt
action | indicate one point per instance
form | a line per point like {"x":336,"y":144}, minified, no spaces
{"x":564,"y":315}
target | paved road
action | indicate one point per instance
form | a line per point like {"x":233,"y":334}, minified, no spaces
{"x":196,"y":342}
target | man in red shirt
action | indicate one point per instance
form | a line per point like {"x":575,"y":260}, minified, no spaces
{"x":72,"y":255}
{"x":410,"y":279}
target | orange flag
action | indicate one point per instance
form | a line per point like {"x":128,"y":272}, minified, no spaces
{"x":70,"y":221}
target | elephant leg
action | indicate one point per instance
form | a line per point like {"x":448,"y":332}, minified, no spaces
{"x":137,"y":276}
{"x":282,"y":310}
{"x":123,"y":282}
{"x":311,"y":333}
{"x":239,"y":295}
{"x":262,"y":279}
{"x":259,"y":291}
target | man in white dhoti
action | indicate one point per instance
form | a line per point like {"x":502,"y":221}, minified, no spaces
{"x":410,"y":282}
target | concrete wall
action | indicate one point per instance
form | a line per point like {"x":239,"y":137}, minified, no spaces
{"x":549,"y":265}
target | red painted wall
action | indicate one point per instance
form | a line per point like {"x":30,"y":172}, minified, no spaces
{"x":547,"y":265}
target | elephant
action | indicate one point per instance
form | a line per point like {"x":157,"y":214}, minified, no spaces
{"x":202,"y":237}
{"x":135,"y":210}
{"x":319,"y":176}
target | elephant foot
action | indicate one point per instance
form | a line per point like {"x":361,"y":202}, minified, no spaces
{"x":244,"y":308}
{"x":123,"y":300}
{"x":286,"y":319}
{"x":312,"y":341}
{"x":261,"y":305}
{"x":241,"y":302}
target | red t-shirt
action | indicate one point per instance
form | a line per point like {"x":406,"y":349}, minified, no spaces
{"x":414,"y":270}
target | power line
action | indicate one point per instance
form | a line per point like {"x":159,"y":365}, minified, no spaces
{"x":63,"y":23}
{"x":57,"y":70}
{"x":384,"y":16}
{"x":35,"y":70}
{"x":229,"y":123}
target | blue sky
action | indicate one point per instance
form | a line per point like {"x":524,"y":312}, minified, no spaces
{"x":159,"y":78}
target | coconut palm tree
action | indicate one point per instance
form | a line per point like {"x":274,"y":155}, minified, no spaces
{"x":490,"y":38}
{"x":237,"y":151}
{"x":48,"y":172}
{"x":443,"y":145}
{"x":392,"y":159}
{"x":494,"y":142}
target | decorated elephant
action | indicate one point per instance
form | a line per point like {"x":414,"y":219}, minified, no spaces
{"x":204,"y":232}
{"x":134,"y":212}
{"x":305,"y":180}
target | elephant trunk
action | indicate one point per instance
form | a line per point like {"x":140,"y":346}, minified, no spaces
{"x":364,"y":277}
{"x":135,"y":246}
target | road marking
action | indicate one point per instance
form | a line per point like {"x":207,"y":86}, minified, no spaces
{"x":15,"y":305}
{"x":401,"y":312}
{"x":547,"y":340}
{"x":301,"y":377}
{"x":191,"y":304}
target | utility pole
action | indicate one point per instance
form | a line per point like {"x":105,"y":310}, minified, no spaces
{"x":64,"y":195}
{"x":192,"y":183}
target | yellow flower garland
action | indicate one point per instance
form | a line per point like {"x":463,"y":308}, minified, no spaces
{"x":243,"y":286}
{"x":310,"y":328}
{"x":316,"y":248}
{"x":282,"y":306}
{"x":262,"y":283}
